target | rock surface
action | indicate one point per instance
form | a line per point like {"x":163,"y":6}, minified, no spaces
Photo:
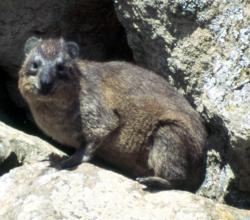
{"x":17,"y":148}
{"x":202,"y":48}
{"x":38,"y":191}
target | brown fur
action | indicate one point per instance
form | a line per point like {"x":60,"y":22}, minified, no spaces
{"x":127,"y":115}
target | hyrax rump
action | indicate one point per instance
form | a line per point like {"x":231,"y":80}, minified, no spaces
{"x":126,"y":115}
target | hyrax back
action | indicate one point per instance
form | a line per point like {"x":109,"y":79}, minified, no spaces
{"x":126,"y":115}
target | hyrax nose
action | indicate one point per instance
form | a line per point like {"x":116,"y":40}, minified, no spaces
{"x":45,"y":84}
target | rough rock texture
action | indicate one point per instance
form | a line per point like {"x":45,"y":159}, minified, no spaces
{"x":17,"y":148}
{"x":40,"y":192}
{"x":202,"y":48}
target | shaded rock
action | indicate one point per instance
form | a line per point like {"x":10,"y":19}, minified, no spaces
{"x":40,"y":192}
{"x":17,"y":148}
{"x":93,"y":24}
{"x":215,"y":185}
{"x":2,"y":100}
{"x":202,"y":48}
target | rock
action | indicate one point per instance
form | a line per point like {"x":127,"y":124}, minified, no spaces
{"x":2,"y":100}
{"x":216,"y":182}
{"x":92,"y":23}
{"x":17,"y":148}
{"x":202,"y":48}
{"x":38,"y":191}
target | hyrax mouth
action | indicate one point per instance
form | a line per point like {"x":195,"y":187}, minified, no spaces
{"x":46,"y":89}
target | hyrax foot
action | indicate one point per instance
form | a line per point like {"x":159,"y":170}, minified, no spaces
{"x":154,"y":182}
{"x":77,"y":158}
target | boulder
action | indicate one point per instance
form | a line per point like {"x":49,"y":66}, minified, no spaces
{"x":18,"y":148}
{"x":38,"y":191}
{"x":202,"y":48}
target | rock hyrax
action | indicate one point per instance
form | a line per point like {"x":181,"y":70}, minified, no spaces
{"x":122,"y":113}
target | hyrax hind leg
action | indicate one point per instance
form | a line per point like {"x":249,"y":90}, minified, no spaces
{"x":168,"y":159}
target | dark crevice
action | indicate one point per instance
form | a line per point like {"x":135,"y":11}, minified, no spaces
{"x":237,"y":198}
{"x":12,"y":114}
{"x":9,"y":163}
{"x":216,"y":128}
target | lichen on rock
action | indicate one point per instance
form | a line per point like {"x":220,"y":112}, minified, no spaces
{"x":202,"y":48}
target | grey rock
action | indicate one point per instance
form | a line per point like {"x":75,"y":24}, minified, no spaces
{"x":202,"y":48}
{"x":17,"y":148}
{"x":217,"y":178}
{"x":38,"y":191}
{"x":92,"y":24}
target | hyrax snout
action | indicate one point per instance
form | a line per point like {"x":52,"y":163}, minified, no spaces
{"x":122,"y":113}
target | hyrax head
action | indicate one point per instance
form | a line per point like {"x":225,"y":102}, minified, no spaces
{"x":49,"y":67}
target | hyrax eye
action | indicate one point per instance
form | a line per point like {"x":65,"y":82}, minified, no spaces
{"x":61,"y":70}
{"x":34,"y":67}
{"x":60,"y":67}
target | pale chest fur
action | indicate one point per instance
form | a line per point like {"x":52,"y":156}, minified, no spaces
{"x":61,"y":123}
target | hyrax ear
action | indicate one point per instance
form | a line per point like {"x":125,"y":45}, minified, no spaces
{"x":73,"y":49}
{"x":30,"y":44}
